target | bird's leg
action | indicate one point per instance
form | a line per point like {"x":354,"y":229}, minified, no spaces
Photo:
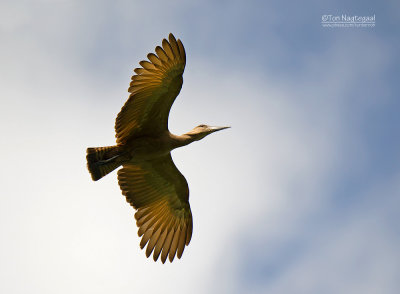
{"x":102,"y":162}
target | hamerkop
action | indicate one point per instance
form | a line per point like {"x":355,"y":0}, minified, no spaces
{"x":149,"y":178}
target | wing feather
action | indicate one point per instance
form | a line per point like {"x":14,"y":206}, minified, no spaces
{"x":182,"y":51}
{"x":181,"y":242}
{"x":167,"y":245}
{"x":174,"y":244}
{"x":160,"y":194}
{"x":153,"y":240}
{"x":174,"y":45}
{"x":154,"y":59}
{"x":159,"y":245}
{"x":161,"y":241}
{"x":147,"y":65}
{"x":162,"y":54}
{"x":153,"y":89}
{"x":167,"y":48}
{"x":139,"y":71}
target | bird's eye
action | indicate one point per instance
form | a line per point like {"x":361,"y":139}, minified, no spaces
{"x":202,"y":126}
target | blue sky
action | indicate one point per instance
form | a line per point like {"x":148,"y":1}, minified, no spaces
{"x":300,"y":196}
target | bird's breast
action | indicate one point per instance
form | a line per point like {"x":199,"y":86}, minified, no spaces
{"x":144,"y":149}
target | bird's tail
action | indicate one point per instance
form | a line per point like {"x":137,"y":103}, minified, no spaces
{"x":102,"y":160}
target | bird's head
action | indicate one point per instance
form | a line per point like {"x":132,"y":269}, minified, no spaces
{"x":201,"y":131}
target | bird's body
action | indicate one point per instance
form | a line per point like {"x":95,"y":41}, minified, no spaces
{"x":149,"y":178}
{"x":148,"y":148}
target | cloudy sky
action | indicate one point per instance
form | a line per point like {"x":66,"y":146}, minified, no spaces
{"x":300,"y":196}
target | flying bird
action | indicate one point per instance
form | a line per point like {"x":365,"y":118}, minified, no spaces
{"x":149,"y":178}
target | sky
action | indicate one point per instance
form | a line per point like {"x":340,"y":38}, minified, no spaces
{"x":301,"y":195}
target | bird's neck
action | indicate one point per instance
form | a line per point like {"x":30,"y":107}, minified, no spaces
{"x":182,"y":140}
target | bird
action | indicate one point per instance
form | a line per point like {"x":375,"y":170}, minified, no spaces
{"x":149,"y":179}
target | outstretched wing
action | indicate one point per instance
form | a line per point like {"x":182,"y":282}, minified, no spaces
{"x":153,"y":91}
{"x":160,"y":194}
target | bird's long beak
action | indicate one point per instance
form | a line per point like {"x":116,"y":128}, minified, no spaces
{"x":215,"y":129}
